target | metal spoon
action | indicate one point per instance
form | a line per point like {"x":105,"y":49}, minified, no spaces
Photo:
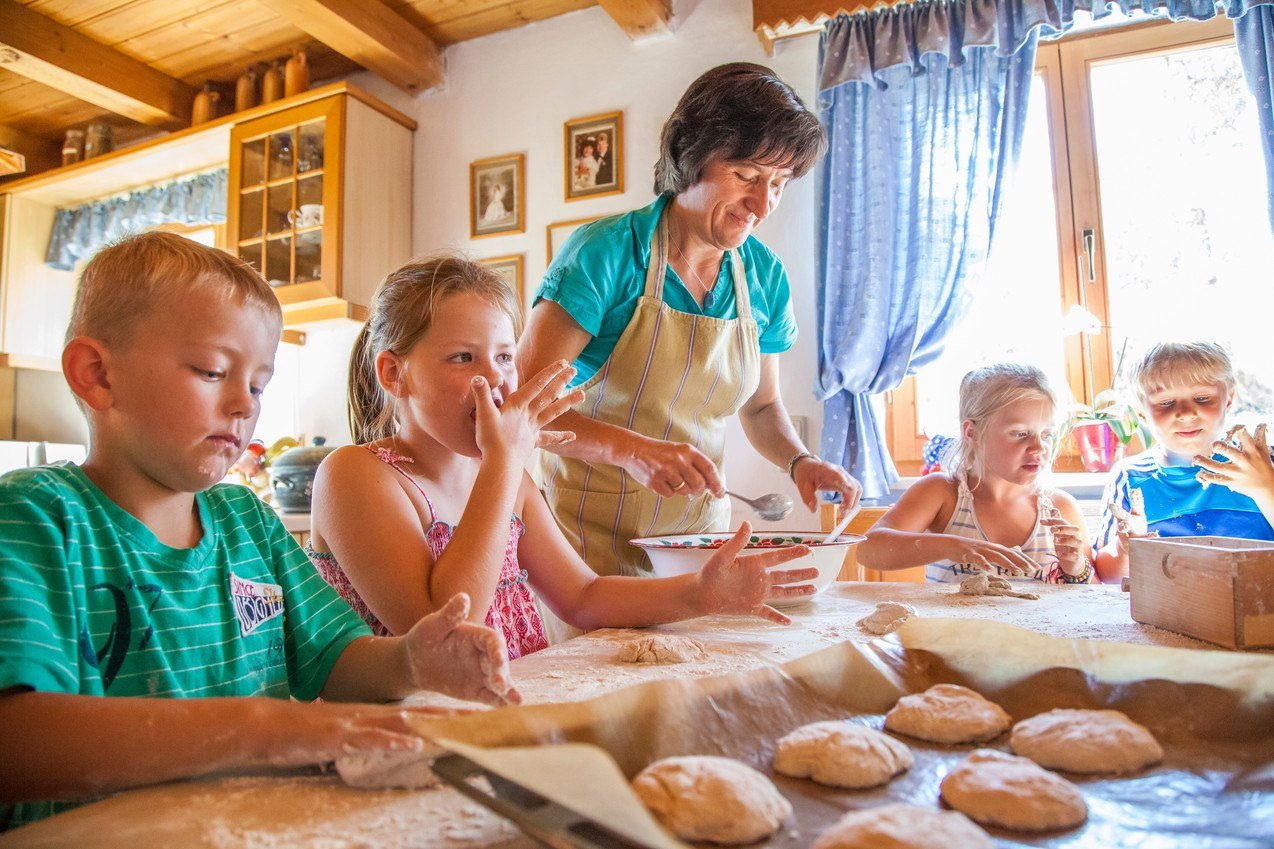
{"x":771,"y":508}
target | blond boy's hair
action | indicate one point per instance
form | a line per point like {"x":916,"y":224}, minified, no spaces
{"x":127,"y":283}
{"x":983,"y":392}
{"x":1175,"y":363}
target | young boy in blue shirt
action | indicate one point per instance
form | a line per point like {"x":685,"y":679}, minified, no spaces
{"x":141,"y":578}
{"x":1197,"y":480}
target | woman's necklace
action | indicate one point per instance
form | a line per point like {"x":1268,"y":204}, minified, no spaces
{"x":708,"y":298}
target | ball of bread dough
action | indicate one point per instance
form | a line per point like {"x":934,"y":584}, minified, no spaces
{"x":948,"y":713}
{"x":903,"y":827}
{"x":661,"y":648}
{"x":719,"y":800}
{"x":1086,"y":741}
{"x":994,"y":788}
{"x":841,"y":754}
{"x":886,"y":618}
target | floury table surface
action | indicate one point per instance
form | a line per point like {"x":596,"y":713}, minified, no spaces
{"x":317,"y":811}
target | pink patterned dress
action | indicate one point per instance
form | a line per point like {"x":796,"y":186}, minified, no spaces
{"x":513,"y":613}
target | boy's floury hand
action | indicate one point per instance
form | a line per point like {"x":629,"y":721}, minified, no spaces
{"x":449,"y":655}
{"x":1248,"y":470}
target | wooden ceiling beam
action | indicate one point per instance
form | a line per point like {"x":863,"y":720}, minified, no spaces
{"x":370,"y":33}
{"x":43,"y":50}
{"x":640,"y":18}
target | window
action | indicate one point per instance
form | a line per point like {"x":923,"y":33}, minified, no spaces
{"x":1138,"y":214}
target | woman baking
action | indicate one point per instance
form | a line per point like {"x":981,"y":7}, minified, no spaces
{"x":674,"y":316}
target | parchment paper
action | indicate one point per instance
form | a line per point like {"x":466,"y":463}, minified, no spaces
{"x":1213,"y":711}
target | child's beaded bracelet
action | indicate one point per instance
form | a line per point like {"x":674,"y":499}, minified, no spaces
{"x":1083,"y":577}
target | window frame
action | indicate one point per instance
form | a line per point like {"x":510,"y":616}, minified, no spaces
{"x":1064,"y":67}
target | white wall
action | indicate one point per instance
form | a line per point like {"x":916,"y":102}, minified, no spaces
{"x":512,"y":91}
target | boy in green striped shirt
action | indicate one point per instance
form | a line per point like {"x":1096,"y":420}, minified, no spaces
{"x":140,"y":577}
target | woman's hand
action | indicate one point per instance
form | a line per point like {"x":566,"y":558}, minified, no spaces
{"x":1248,"y":471}
{"x":988,"y":557}
{"x":812,"y":475}
{"x":734,"y":583}
{"x":449,"y":655}
{"x":515,"y":428}
{"x":672,"y":468}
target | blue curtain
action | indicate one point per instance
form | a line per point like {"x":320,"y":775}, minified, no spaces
{"x":80,"y":232}
{"x":925,"y":105}
{"x":912,"y":184}
{"x":1254,"y":35}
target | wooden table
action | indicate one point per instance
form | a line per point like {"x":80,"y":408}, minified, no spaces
{"x":317,"y":811}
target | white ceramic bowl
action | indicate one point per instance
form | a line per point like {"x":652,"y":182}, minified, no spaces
{"x":684,"y":553}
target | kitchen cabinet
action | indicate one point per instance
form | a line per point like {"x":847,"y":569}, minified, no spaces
{"x":347,"y":152}
{"x":320,"y":202}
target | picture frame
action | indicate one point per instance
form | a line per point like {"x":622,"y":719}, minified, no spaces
{"x":557,"y":233}
{"x":511,"y":269}
{"x":594,"y":161}
{"x":497,"y":196}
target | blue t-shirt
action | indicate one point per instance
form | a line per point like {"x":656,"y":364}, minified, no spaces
{"x":1178,"y":505}
{"x":600,"y":274}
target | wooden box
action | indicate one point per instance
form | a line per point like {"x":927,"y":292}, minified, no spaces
{"x":1213,"y":588}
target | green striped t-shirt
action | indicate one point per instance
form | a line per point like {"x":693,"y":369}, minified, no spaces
{"x":92,"y":603}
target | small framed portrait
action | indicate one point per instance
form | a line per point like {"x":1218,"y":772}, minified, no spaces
{"x":510,"y":268}
{"x":497,"y":202}
{"x":594,"y":156}
{"x":558,"y":231}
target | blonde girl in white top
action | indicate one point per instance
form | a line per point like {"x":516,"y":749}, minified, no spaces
{"x":990,"y":513}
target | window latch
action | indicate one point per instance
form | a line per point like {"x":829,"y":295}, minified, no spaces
{"x":1087,"y":260}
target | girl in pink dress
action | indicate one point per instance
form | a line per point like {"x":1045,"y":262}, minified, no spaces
{"x":436,"y":500}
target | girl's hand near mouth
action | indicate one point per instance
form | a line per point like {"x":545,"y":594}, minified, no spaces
{"x":514,"y":428}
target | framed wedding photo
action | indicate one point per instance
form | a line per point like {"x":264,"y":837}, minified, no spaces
{"x":497,"y":201}
{"x":510,"y":268}
{"x":594,"y":156}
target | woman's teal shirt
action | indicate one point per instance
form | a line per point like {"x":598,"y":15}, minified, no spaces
{"x":600,"y":274}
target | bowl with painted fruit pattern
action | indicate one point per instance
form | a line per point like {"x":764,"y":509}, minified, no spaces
{"x":681,"y":554}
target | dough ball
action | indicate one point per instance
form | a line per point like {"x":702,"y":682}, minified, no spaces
{"x":661,"y":648}
{"x":841,"y":754}
{"x":995,"y":788}
{"x":1087,"y":741}
{"x":903,"y":827}
{"x":948,"y":713}
{"x":382,"y":770}
{"x":705,"y":798}
{"x":886,"y":618}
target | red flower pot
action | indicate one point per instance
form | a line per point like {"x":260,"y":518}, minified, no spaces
{"x":1099,"y":448}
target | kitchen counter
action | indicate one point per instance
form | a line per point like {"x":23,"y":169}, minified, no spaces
{"x":317,"y":811}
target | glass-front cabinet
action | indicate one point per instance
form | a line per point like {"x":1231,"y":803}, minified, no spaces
{"x":314,"y":203}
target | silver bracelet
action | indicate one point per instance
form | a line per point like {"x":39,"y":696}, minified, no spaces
{"x":791,"y":464}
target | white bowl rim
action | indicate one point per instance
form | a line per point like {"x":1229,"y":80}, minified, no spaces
{"x":813,"y":539}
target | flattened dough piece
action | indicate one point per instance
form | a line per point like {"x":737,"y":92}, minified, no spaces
{"x":382,"y":770}
{"x":985,"y":583}
{"x":886,"y":618}
{"x":994,"y":788}
{"x":720,"y":800}
{"x":841,"y":754}
{"x":903,"y":827}
{"x":948,"y":713}
{"x":1086,"y":741}
{"x":661,"y":648}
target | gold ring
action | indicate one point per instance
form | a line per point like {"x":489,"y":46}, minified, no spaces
{"x":678,"y":486}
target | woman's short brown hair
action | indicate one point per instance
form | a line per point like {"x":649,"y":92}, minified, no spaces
{"x":739,"y":111}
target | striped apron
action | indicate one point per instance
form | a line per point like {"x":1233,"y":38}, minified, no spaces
{"x":672,"y":376}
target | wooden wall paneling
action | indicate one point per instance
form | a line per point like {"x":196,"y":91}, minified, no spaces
{"x":37,"y":298}
{"x":64,"y":59}
{"x":140,"y":17}
{"x":217,"y":32}
{"x":73,"y":12}
{"x":41,"y":152}
{"x":453,"y":22}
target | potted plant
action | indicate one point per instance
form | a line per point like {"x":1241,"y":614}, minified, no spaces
{"x":1102,"y":432}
